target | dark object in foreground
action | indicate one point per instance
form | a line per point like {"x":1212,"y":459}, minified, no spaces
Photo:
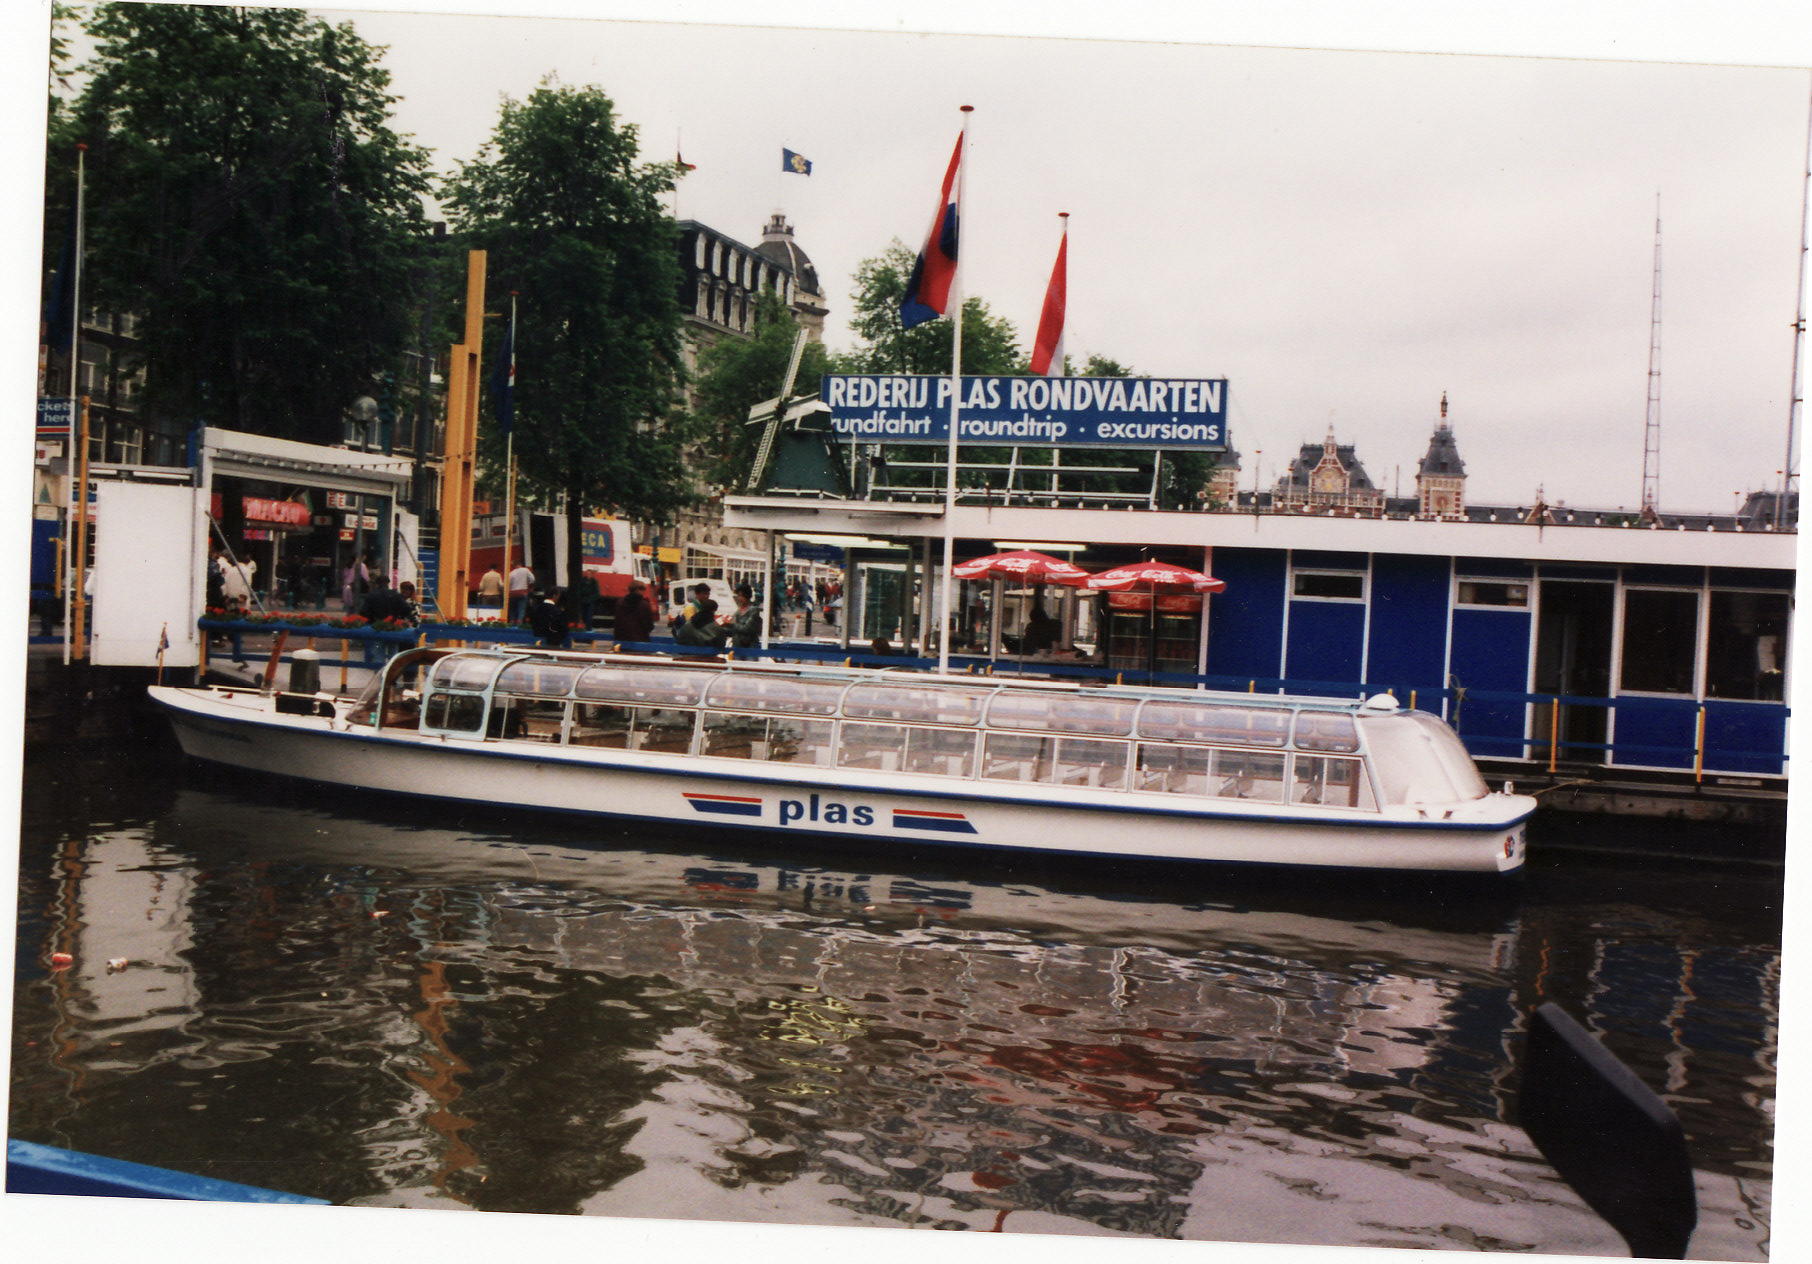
{"x":41,"y":1169}
{"x":1608,"y":1135}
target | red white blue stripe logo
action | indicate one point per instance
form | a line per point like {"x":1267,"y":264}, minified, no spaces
{"x":934,"y":822}
{"x":724,"y":804}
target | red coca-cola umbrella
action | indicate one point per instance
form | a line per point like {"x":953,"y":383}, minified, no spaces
{"x":1022,"y":564}
{"x":1028,"y":566}
{"x":1155,"y":577}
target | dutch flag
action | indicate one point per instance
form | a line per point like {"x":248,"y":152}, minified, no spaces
{"x":928,"y":290}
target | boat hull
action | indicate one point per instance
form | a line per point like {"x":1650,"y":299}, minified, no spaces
{"x":867,"y":809}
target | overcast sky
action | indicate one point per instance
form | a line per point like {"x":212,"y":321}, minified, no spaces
{"x":1344,"y":236}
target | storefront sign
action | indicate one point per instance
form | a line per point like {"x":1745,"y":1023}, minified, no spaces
{"x":56,"y":416}
{"x":287,"y":513}
{"x":1168,"y":603}
{"x":1047,"y":412}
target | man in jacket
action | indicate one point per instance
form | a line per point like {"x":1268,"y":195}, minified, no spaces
{"x":634,"y":614}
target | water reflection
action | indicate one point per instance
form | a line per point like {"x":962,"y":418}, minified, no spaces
{"x":391,"y":1005}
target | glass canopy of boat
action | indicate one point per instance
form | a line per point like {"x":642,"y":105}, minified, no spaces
{"x":1275,"y":750}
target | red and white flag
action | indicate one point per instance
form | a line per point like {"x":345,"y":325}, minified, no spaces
{"x":1047,"y":348}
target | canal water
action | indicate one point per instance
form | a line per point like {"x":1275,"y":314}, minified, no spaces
{"x":389,"y":1003}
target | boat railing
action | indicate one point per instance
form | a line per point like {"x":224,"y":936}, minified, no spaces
{"x":1724,"y":736}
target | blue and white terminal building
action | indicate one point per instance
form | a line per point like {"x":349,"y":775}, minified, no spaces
{"x":1641,"y":660}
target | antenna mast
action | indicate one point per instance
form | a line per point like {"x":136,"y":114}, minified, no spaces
{"x":1789,"y":469}
{"x":1651,"y":445}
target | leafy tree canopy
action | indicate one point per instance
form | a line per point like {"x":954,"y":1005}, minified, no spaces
{"x":990,"y":343}
{"x":249,"y":203}
{"x":575,"y":228}
{"x":739,"y":373}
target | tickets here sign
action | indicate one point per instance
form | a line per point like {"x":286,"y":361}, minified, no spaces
{"x":1187,"y":413}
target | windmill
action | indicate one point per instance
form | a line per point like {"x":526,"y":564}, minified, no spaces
{"x":796,"y":440}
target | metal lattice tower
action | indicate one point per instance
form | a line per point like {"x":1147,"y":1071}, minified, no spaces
{"x":1651,"y":444}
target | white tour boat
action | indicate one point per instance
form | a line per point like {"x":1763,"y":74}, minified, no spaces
{"x":888,"y":756}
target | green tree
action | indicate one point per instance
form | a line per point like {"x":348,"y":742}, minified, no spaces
{"x":576,"y":229}
{"x":248,"y":201}
{"x":990,"y":343}
{"x":990,"y":347}
{"x":738,"y":373}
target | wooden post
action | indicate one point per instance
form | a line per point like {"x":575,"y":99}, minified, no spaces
{"x":463,"y":375}
{"x":79,"y":599}
{"x":1553,"y":734}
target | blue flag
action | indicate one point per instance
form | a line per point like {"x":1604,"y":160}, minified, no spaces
{"x":59,"y":304}
{"x":503,"y":380}
{"x":798,"y":164}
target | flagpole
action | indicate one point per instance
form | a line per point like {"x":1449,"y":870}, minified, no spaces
{"x":71,"y":561}
{"x":956,"y":392}
{"x":509,"y":465}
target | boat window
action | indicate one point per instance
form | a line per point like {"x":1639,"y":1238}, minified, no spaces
{"x":465,"y":671}
{"x":881,"y":747}
{"x":774,"y":693}
{"x":663,"y":730}
{"x":797,"y":741}
{"x":947,"y":752}
{"x":526,"y":719}
{"x":1106,"y":717}
{"x":771,"y":739}
{"x":596,"y":724}
{"x":1215,"y":722}
{"x":730,"y":736}
{"x":1326,"y":731}
{"x":1660,"y":640}
{"x":655,"y":686}
{"x":1019,"y":757}
{"x":1331,"y":781}
{"x":544,"y":679}
{"x":1087,"y":761}
{"x":457,"y":712}
{"x":1248,"y":775}
{"x":954,"y":705}
{"x":1175,"y":769}
{"x":1418,"y":759}
{"x":1746,"y":646}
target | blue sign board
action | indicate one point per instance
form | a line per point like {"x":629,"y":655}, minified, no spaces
{"x":56,"y":414}
{"x":1042,"y":412}
{"x":812,"y":551}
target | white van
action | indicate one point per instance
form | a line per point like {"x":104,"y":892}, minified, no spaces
{"x":679,"y":596}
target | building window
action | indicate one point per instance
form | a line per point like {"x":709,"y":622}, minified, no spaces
{"x":1329,"y":585}
{"x":1490,"y":592}
{"x":1746,"y":649}
{"x":698,"y":251}
{"x":1660,"y":639}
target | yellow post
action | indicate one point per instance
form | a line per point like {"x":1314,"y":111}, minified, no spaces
{"x":1553,"y":733}
{"x":463,"y":375}
{"x":79,"y":599}
{"x":1698,"y":754}
{"x":345,"y":651}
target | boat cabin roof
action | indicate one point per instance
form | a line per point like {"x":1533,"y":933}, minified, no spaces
{"x":912,"y":698}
